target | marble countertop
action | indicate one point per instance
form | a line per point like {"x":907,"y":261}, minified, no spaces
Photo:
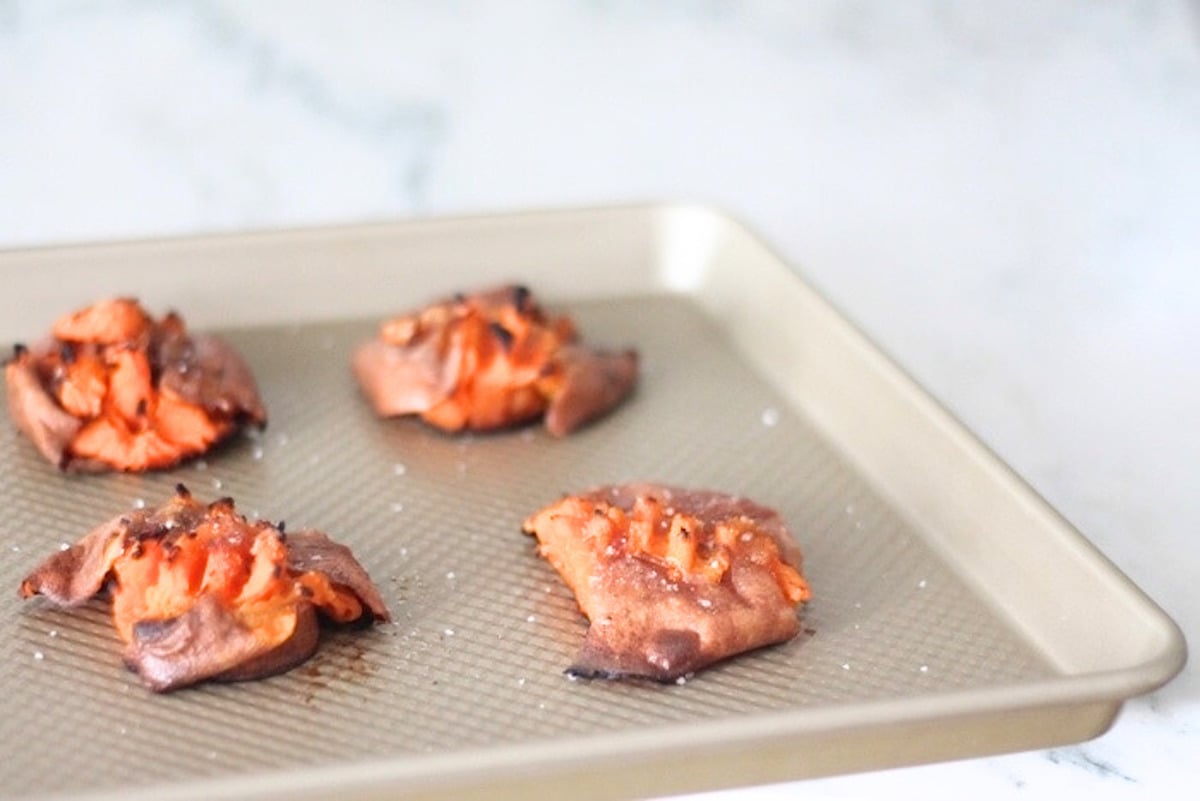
{"x":1006,"y":196}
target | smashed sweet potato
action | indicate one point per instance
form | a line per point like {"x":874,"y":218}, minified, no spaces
{"x":114,"y":389}
{"x":491,"y":360}
{"x":199,"y":592}
{"x":671,"y":580}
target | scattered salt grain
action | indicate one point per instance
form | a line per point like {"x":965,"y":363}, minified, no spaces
{"x":257,"y":453}
{"x":849,"y":508}
{"x":531,"y":619}
{"x":396,"y":507}
{"x":38,"y":655}
{"x":681,"y":680}
{"x":521,"y":682}
{"x":64,"y":546}
{"x":770,"y":417}
{"x":282,"y":439}
{"x":16,"y":549}
{"x":449,"y":632}
{"x":53,"y":632}
{"x":924,"y":668}
{"x":450,"y":576}
{"x":845,"y":666}
{"x":139,"y":503}
{"x":216,"y":483}
{"x":399,"y":468}
{"x":704,"y":603}
{"x":921,"y":583}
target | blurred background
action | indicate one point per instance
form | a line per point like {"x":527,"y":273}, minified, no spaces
{"x":1005,"y":196}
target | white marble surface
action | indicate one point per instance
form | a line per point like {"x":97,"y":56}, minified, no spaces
{"x":1006,"y":195}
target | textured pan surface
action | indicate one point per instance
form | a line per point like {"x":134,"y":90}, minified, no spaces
{"x":473,"y":664}
{"x":484,"y":628}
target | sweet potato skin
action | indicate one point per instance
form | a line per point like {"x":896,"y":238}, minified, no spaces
{"x":671,"y":580}
{"x":200,"y":593}
{"x":35,"y":412}
{"x":491,"y":360}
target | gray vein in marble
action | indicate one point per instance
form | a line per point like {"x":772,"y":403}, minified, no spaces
{"x":409,"y":124}
{"x":1080,"y":758}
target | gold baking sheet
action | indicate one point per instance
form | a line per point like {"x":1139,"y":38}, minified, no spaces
{"x":954,"y":613}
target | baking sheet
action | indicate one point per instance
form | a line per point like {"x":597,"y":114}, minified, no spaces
{"x":916,"y":646}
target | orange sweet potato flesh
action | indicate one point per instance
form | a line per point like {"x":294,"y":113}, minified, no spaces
{"x":491,"y":360}
{"x":671,"y":580}
{"x":114,"y":389}
{"x":198,"y":592}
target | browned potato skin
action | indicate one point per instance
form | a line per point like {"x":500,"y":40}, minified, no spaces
{"x":207,"y":642}
{"x":434,"y":354}
{"x":648,"y":620}
{"x":34,"y":411}
{"x":592,"y":383}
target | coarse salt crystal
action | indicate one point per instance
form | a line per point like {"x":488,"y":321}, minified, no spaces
{"x":38,"y":655}
{"x":449,"y":632}
{"x":450,"y":576}
{"x":64,"y":546}
{"x":531,"y":619}
{"x":924,"y":668}
{"x":845,"y":666}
